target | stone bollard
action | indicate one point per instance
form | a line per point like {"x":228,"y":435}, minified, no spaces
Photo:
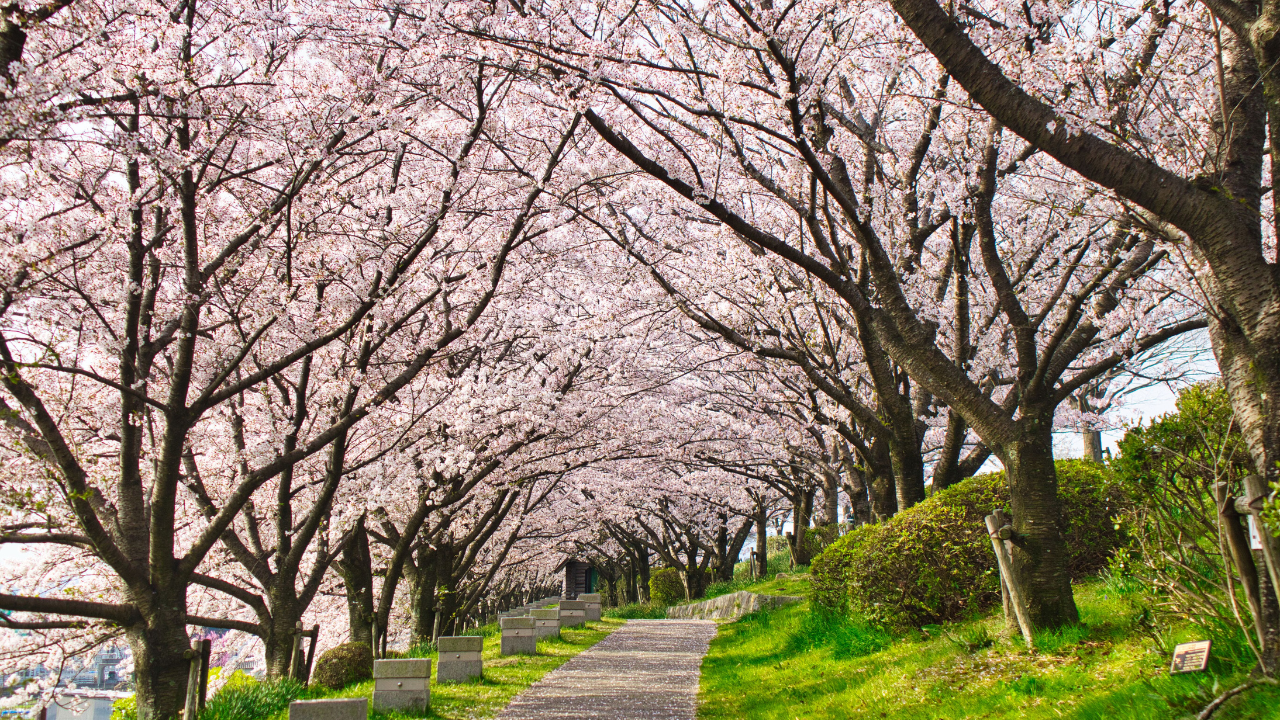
{"x":546,"y":622}
{"x":518,"y":636}
{"x":402,"y":684}
{"x":346,"y":709}
{"x":593,"y":606}
{"x":459,"y":658}
{"x":572,"y":613}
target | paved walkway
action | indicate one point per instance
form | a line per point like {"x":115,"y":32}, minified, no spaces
{"x":644,"y":670}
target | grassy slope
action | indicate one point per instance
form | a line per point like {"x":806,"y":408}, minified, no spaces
{"x":766,"y":666}
{"x":504,"y":677}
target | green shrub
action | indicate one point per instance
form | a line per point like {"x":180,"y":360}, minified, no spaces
{"x":126,"y":708}
{"x":246,"y":698}
{"x":343,"y":665}
{"x":666,"y":587}
{"x":933,"y":563}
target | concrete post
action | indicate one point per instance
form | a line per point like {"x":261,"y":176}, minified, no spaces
{"x":518,"y":636}
{"x":572,"y":613}
{"x":344,"y":709}
{"x":402,"y":684}
{"x":459,"y":658}
{"x":546,"y":622}
{"x":592,"y":609}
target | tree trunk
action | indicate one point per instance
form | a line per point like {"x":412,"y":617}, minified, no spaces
{"x":422,"y":600}
{"x":1092,"y":440}
{"x":1040,"y":551}
{"x":830,"y":498}
{"x":642,"y":571}
{"x":801,"y":512}
{"x":278,"y":643}
{"x":762,"y":543}
{"x":356,"y":569}
{"x":947,"y":472}
{"x":158,"y":644}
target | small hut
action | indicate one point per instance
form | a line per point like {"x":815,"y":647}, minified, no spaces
{"x":579,"y":577}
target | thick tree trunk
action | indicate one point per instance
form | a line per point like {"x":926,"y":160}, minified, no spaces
{"x":1040,"y":551}
{"x":947,"y":472}
{"x":642,"y":571}
{"x":1092,"y":440}
{"x":356,"y":569}
{"x":278,"y":643}
{"x":695,"y":579}
{"x":830,"y":498}
{"x":881,"y":485}
{"x":908,"y":466}
{"x":158,"y":644}
{"x":422,"y":600}
{"x":801,"y":513}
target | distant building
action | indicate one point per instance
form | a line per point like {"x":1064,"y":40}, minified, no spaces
{"x":102,"y":672}
{"x":579,"y":577}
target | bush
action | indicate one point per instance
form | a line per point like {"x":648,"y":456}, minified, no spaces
{"x":933,"y":563}
{"x":343,"y":665}
{"x":245,"y":698}
{"x":666,"y":587}
{"x":126,"y":708}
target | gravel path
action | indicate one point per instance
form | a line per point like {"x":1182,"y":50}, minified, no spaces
{"x":644,"y":670}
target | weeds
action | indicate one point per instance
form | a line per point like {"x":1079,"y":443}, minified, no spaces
{"x":244,"y":698}
{"x":637,"y":611}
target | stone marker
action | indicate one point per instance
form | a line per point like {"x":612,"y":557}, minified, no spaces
{"x":572,"y":613}
{"x":459,"y":658}
{"x":402,"y":684}
{"x":518,"y":636}
{"x":593,"y":606}
{"x":345,"y":709}
{"x":546,"y":622}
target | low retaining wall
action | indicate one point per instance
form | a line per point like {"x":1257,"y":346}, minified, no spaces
{"x":729,"y":607}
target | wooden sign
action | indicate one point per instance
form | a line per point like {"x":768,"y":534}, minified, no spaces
{"x":1190,"y":657}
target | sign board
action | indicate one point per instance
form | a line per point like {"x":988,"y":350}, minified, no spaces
{"x":1255,"y":540}
{"x":1190,"y":657}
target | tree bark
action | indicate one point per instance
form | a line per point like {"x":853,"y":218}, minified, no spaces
{"x":356,"y":568}
{"x":158,"y":644}
{"x":1040,"y":550}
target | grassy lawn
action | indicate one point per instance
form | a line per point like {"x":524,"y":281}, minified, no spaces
{"x":792,"y":663}
{"x":504,"y":677}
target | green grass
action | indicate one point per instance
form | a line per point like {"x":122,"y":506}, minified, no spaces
{"x":794,"y":663}
{"x":790,"y":585}
{"x":504,"y":677}
{"x":637,"y":611}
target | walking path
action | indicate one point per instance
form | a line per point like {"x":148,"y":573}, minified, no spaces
{"x":644,"y":670}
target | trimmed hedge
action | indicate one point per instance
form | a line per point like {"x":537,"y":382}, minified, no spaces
{"x":933,"y":563}
{"x":665,"y":587}
{"x":343,"y":665}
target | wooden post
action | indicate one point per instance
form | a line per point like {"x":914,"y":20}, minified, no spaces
{"x":1241,"y":555}
{"x":206,"y":652}
{"x":1255,"y":493}
{"x":314,"y":634}
{"x":1000,"y":532}
{"x":295,"y":656}
{"x":192,"y":707}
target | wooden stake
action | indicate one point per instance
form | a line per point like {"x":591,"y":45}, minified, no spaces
{"x":192,"y":707}
{"x":1255,"y":492}
{"x":1241,"y":556}
{"x":999,"y":533}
